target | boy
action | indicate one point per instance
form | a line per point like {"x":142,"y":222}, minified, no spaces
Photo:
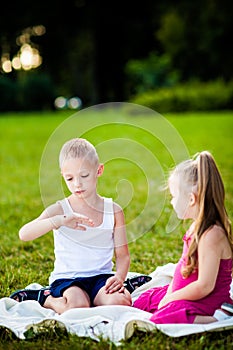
{"x":88,"y":230}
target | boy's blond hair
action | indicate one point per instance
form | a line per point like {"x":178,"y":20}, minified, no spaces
{"x":78,"y":148}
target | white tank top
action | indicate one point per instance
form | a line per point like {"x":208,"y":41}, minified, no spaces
{"x":84,"y":253}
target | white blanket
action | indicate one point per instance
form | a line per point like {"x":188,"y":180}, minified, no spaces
{"x":114,"y":323}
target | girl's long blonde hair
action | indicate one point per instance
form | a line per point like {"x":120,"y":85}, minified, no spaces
{"x":203,"y":175}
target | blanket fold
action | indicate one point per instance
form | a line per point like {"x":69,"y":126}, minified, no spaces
{"x":114,"y":322}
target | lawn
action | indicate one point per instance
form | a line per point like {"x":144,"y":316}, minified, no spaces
{"x":138,"y":148}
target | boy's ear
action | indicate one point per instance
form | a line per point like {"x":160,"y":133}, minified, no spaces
{"x":100,"y":170}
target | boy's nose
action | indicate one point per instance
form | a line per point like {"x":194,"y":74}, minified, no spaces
{"x":77,"y":182}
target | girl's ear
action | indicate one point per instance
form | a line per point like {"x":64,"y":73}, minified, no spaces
{"x":192,"y":198}
{"x":100,"y":170}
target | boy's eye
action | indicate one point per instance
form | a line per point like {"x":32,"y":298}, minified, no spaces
{"x":86,"y":175}
{"x":69,"y":179}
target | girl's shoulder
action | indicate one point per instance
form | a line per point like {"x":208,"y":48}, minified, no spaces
{"x":214,"y":236}
{"x":214,"y":232}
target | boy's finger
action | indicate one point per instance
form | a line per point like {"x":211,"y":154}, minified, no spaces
{"x":80,"y":227}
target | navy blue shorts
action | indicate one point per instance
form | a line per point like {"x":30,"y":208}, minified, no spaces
{"x":91,"y":285}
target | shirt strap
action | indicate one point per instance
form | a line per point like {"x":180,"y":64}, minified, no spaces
{"x":108,"y":212}
{"x":65,"y":206}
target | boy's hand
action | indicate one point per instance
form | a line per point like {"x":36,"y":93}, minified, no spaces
{"x":114,"y":284}
{"x":74,"y":221}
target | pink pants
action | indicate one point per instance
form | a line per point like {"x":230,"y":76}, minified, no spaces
{"x":180,"y":311}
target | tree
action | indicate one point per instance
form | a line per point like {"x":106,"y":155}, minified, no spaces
{"x":88,"y":44}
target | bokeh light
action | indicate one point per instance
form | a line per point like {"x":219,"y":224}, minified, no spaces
{"x":74,"y":103}
{"x":6,"y":66}
{"x":60,"y":102}
{"x":28,"y":57}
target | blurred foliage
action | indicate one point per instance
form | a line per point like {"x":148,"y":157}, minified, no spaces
{"x":37,"y":92}
{"x":146,"y":74}
{"x":107,"y":54}
{"x":32,"y":91}
{"x":8,"y":93}
{"x":191,"y":96}
{"x":172,"y":33}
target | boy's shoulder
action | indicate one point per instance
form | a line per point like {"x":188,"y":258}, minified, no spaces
{"x":116,"y":207}
{"x":54,"y":209}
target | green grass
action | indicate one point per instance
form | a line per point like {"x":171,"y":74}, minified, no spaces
{"x":138,"y":149}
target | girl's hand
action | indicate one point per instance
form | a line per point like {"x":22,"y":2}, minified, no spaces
{"x":114,"y":284}
{"x":74,"y":221}
{"x":164,"y":301}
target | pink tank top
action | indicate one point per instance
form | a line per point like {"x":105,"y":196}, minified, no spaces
{"x":224,"y":278}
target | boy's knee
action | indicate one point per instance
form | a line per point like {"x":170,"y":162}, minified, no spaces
{"x":125,"y":302}
{"x":76,"y":304}
{"x":117,"y":299}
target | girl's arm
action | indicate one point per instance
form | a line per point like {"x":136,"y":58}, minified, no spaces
{"x":122,"y":256}
{"x":169,"y":290}
{"x":210,"y":250}
{"x":50,"y":219}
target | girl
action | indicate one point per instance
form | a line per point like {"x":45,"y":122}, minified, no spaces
{"x":202,"y":278}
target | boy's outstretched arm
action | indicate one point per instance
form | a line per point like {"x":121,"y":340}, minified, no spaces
{"x":50,"y":219}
